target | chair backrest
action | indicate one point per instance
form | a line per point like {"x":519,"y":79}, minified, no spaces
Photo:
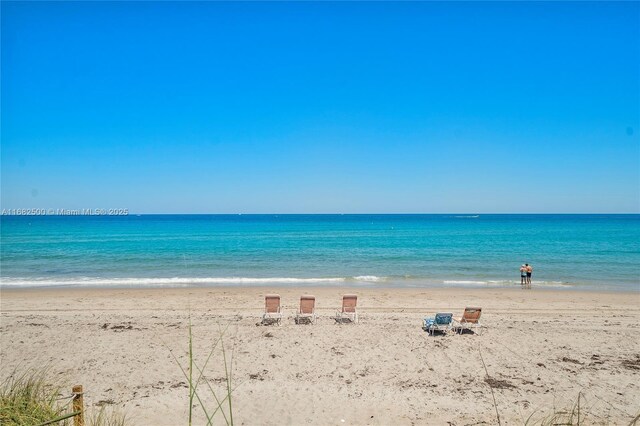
{"x":471,"y":315}
{"x":307,"y":304}
{"x":271,"y":303}
{"x":444,"y":319}
{"x":349,"y":302}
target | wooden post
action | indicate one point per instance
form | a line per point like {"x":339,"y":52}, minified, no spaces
{"x":78,"y":405}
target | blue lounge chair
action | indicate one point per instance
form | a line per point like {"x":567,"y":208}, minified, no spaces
{"x":441,"y":322}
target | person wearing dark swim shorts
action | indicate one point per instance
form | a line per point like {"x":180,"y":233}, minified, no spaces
{"x":529,"y":272}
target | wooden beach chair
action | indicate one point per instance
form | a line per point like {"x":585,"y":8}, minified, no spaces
{"x":272,"y":311}
{"x":470,"y":320}
{"x":307,"y":311}
{"x":349,"y":311}
{"x":441,"y":322}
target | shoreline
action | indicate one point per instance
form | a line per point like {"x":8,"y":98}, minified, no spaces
{"x":328,"y":298}
{"x":311,"y":287}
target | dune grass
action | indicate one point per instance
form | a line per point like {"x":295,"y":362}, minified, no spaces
{"x":29,"y":399}
{"x":209,"y":401}
{"x":106,"y":417}
{"x":572,"y":416}
{"x":576,"y":413}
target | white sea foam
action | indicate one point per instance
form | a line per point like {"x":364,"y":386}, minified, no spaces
{"x":493,"y":283}
{"x":551,"y":283}
{"x":257,"y":281}
{"x":464,"y":282}
{"x":369,"y":278}
{"x":170,"y":282}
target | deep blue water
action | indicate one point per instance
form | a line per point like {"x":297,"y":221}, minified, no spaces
{"x":570,"y":251}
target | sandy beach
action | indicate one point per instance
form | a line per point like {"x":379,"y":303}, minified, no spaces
{"x":541,"y":349}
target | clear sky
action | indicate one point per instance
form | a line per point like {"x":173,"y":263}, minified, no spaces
{"x":321,"y":107}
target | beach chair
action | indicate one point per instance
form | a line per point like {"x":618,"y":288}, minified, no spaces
{"x":307,"y":310}
{"x":470,"y":320}
{"x":441,"y":322}
{"x":272,"y":312}
{"x":349,"y":312}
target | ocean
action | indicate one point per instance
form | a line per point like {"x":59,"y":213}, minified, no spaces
{"x":595,"y":252}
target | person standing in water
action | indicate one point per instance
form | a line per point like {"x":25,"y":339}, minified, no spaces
{"x":523,"y":275}
{"x":529,"y":272}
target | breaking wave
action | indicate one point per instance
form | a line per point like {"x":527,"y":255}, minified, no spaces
{"x":177,"y":281}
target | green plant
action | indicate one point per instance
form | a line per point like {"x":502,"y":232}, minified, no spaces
{"x":575,"y":415}
{"x":106,"y":417}
{"x":27,"y":399}
{"x":218,"y":407}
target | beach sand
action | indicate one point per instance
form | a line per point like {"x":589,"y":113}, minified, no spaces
{"x":541,"y":349}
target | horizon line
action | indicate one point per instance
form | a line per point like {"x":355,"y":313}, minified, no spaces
{"x":316,"y":214}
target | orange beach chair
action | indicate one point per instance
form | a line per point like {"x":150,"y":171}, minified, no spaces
{"x":470,"y":320}
{"x":349,"y":311}
{"x":272,"y":310}
{"x":307,"y":311}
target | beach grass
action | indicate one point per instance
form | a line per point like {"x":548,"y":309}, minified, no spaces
{"x":26,"y":398}
{"x":106,"y":417}
{"x":574,"y":414}
{"x":212,"y":404}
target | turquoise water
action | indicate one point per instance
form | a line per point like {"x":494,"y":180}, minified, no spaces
{"x":566,"y":251}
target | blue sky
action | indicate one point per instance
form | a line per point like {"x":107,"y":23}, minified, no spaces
{"x":321,"y":107}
